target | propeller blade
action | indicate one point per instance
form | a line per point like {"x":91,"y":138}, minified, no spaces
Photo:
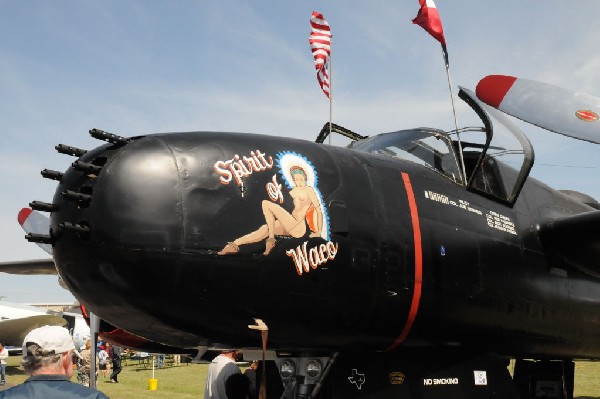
{"x":34,"y":222}
{"x":547,"y":106}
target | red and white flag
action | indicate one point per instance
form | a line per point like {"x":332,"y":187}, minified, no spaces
{"x":320,"y":44}
{"x":428,"y":18}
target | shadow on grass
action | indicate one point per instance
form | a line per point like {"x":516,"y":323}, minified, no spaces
{"x":14,"y":370}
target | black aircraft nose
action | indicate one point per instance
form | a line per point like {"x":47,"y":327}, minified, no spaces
{"x":149,"y":194}
{"x":145,"y":218}
{"x":136,"y":202}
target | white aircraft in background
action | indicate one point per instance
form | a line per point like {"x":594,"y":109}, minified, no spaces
{"x":16,"y":320}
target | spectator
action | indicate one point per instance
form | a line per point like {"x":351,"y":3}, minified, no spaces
{"x":47,"y":358}
{"x":160,"y":360}
{"x":102,"y":360}
{"x":108,"y":349}
{"x":221,"y":368}
{"x":115,"y":355}
{"x":3,"y":357}
{"x":85,"y":361}
{"x":250,"y":373}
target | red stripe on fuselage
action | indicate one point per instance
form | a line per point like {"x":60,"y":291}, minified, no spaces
{"x":416,"y":299}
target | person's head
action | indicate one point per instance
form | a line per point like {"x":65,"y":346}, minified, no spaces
{"x":232,"y":353}
{"x":88,"y":344}
{"x":48,"y":350}
{"x":1,"y":346}
{"x":298,"y":175}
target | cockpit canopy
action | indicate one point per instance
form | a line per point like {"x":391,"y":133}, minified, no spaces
{"x":493,"y":160}
{"x":428,"y":147}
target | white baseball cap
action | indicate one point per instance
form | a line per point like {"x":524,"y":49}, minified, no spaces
{"x":50,"y":339}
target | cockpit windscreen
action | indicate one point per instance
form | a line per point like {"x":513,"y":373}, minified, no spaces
{"x":428,"y":147}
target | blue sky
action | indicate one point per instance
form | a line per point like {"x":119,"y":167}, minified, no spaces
{"x":140,"y":67}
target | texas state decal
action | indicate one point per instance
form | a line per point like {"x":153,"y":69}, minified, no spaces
{"x":307,"y":219}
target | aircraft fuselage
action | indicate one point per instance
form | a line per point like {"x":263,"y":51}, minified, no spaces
{"x":392,"y":254}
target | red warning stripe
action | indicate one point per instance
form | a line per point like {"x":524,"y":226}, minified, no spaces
{"x":416,"y":299}
{"x":493,"y":88}
{"x":23,"y":215}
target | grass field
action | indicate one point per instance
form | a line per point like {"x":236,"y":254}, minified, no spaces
{"x":187,"y":381}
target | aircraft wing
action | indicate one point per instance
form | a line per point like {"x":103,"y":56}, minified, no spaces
{"x":13,"y":331}
{"x":36,"y":266}
{"x":575,"y":239}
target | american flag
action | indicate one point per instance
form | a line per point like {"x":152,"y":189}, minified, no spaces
{"x":320,"y":44}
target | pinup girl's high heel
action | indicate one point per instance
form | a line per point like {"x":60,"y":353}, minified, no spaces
{"x":230,"y":248}
{"x":269,"y":245}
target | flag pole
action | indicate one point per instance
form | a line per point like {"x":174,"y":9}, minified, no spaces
{"x":330,"y":88}
{"x":429,"y":19}
{"x":462,"y":161}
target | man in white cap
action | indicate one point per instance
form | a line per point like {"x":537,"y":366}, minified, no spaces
{"x":48,"y":359}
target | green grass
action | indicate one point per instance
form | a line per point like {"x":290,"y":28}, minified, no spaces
{"x":187,"y":381}
{"x":180,"y":382}
{"x":587,"y":380}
